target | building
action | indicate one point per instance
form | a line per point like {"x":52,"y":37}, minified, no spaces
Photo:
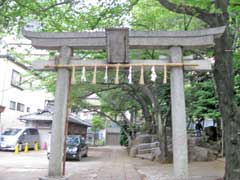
{"x":112,"y":134}
{"x":16,"y":93}
{"x":42,"y":120}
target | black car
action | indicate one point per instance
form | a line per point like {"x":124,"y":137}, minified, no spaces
{"x":76,"y":148}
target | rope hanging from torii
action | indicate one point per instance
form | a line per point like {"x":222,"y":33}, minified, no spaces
{"x":117,"y":66}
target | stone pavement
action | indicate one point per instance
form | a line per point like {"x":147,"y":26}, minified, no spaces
{"x":197,"y":170}
{"x":104,"y":163}
{"x":113,"y":163}
{"x":117,"y":166}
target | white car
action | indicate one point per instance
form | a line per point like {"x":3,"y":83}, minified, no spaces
{"x":13,"y":136}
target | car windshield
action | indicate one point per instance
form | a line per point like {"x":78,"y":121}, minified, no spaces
{"x":11,"y":132}
{"x":73,"y":140}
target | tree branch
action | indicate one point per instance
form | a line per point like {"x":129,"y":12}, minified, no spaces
{"x":58,"y":4}
{"x":109,"y":117}
{"x":98,"y":91}
{"x":202,"y":14}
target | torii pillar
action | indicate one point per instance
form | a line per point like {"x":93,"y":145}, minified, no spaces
{"x":59,"y":118}
{"x":179,"y":132}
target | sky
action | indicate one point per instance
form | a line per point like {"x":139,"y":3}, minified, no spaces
{"x":20,"y":46}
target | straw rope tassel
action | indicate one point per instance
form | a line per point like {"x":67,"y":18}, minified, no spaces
{"x":130,"y":75}
{"x":106,"y":75}
{"x":117,"y":74}
{"x":141,"y":80}
{"x":94,"y":75}
{"x":83,"y":77}
{"x":165,"y":74}
{"x":73,"y":80}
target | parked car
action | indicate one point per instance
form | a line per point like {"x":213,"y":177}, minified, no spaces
{"x":12,"y":136}
{"x":76,"y":148}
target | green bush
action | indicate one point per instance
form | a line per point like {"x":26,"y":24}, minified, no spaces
{"x":100,"y":142}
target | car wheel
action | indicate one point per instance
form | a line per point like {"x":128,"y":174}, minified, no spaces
{"x":79,"y":157}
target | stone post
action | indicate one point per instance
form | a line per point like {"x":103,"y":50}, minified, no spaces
{"x":59,"y":118}
{"x":180,"y":152}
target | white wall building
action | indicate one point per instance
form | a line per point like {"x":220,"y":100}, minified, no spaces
{"x":16,"y":94}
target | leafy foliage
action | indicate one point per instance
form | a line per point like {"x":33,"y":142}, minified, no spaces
{"x":156,"y":17}
{"x":201,"y":98}
{"x":97,"y":123}
{"x":60,"y":16}
{"x":64,"y":15}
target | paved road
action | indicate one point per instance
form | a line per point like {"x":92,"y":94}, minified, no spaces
{"x":108,"y":163}
{"x":104,"y":163}
{"x":118,"y":166}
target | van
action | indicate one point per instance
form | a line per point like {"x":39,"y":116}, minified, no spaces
{"x":12,"y":136}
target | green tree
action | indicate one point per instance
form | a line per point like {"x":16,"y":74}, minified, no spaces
{"x":152,"y":98}
{"x":213,"y":14}
{"x":98,"y":123}
{"x":201,"y":98}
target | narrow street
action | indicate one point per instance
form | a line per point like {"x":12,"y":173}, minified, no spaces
{"x":102,"y":163}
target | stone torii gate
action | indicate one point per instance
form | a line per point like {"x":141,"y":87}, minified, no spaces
{"x":116,"y":42}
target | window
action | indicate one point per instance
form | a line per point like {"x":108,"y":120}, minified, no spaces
{"x":26,"y":132}
{"x":12,"y":105}
{"x":28,"y":109}
{"x":11,"y":132}
{"x":16,"y":78}
{"x":33,"y":131}
{"x":20,"y":107}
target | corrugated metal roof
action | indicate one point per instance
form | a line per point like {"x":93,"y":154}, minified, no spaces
{"x":48,"y":116}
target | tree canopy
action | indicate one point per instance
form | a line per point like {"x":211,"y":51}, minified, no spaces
{"x":211,"y":95}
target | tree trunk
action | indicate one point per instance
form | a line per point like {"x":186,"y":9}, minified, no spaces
{"x":165,"y":157}
{"x":163,"y":146}
{"x":94,"y":138}
{"x":145,"y":112}
{"x":230,"y":113}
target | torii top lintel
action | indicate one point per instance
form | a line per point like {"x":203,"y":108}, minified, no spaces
{"x":137,"y":39}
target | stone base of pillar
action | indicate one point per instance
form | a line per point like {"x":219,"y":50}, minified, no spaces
{"x":53,"y":178}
